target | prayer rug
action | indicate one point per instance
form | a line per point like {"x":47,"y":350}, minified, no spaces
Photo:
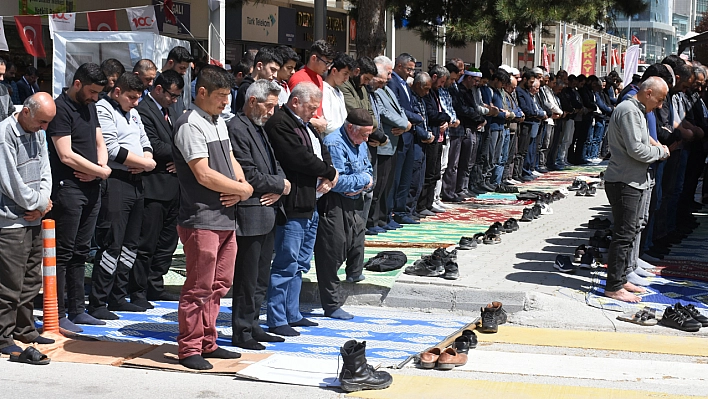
{"x":662,"y":292}
{"x":391,"y":335}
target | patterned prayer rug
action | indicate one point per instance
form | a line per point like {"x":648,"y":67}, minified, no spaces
{"x":391,"y":336}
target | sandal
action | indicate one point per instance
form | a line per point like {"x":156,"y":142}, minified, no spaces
{"x":479,"y":237}
{"x":644,"y":317}
{"x":30,"y":356}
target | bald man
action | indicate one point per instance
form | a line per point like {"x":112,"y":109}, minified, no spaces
{"x":626,"y":178}
{"x":25,"y":189}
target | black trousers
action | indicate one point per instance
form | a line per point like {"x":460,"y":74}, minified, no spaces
{"x":523,"y":140}
{"x":509,"y":166}
{"x":625,"y":201}
{"x":251,"y":278}
{"x":433,"y":159}
{"x":340,"y":238}
{"x":577,"y":146}
{"x":158,"y":241}
{"x":117,"y":234}
{"x":75,"y":210}
{"x":20,"y":281}
{"x":380,"y":206}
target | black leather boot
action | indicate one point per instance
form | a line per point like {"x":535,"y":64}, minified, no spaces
{"x":356,"y":374}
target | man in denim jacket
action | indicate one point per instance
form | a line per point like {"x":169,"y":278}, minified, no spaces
{"x":340,"y":234}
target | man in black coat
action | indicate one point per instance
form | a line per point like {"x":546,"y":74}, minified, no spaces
{"x":158,"y":234}
{"x":308,"y":166}
{"x":28,"y":84}
{"x":255,"y":216}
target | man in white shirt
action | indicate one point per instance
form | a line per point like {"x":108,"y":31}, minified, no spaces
{"x":333,"y":106}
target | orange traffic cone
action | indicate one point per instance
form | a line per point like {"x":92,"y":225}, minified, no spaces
{"x":49,"y":262}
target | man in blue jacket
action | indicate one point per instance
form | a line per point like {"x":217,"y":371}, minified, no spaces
{"x":340,"y":234}
{"x":492,"y":150}
{"x":529,"y":128}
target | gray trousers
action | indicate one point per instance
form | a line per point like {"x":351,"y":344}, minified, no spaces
{"x":340,"y":238}
{"x":473,"y":173}
{"x":544,"y":144}
{"x":20,"y":281}
{"x":568,"y":132}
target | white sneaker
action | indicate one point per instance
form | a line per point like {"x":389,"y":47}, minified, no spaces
{"x":442,"y":205}
{"x":537,"y":174}
{"x":510,"y":182}
{"x":438,"y":209}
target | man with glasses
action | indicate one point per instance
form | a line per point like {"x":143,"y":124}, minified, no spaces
{"x":158,"y":235}
{"x":322,"y":56}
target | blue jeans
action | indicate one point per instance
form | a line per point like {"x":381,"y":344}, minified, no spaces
{"x":503,"y":157}
{"x":294,"y":243}
{"x":594,"y":140}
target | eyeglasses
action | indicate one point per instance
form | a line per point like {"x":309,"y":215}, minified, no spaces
{"x":172,"y":95}
{"x":327,"y":63}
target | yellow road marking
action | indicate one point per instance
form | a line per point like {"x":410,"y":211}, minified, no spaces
{"x":405,"y":386}
{"x":602,"y":340}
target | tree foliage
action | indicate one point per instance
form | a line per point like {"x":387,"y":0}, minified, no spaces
{"x":493,"y":20}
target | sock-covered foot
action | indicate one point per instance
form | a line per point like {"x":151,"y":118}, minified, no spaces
{"x":285,"y":331}
{"x":645,"y":266}
{"x":42,"y":340}
{"x":85,"y":318}
{"x":221,"y":353}
{"x":143,"y":303}
{"x":643,"y":273}
{"x":196,"y":362}
{"x":340,"y":314}
{"x":104,"y":314}
{"x":636,"y":280}
{"x":303,"y":323}
{"x":10,"y":349}
{"x":265,"y":337}
{"x":126,"y":307}
{"x":66,"y":324}
{"x":251,"y":344}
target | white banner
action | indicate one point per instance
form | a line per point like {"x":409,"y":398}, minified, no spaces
{"x":572,"y":57}
{"x":3,"y":41}
{"x":142,"y":19}
{"x":631,"y":62}
{"x":64,"y":22}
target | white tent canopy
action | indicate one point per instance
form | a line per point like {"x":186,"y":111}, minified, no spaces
{"x":72,"y":49}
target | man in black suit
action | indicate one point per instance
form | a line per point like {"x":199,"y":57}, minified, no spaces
{"x":28,"y":84}
{"x":158,"y":234}
{"x":255,"y":234}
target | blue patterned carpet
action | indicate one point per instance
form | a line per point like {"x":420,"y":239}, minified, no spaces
{"x":661,"y":293}
{"x":391,"y":335}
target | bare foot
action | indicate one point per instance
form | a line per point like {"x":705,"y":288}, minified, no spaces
{"x":623,"y":295}
{"x":633,"y":288}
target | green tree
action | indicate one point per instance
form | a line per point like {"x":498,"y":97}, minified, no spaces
{"x":493,"y":20}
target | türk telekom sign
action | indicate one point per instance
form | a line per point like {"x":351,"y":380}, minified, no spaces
{"x":259,"y":23}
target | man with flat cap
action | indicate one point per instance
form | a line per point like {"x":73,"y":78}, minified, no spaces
{"x":340,"y":234}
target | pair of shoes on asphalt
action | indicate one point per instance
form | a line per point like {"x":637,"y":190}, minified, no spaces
{"x":357,"y":374}
{"x":683,"y":317}
{"x":441,"y":263}
{"x":644,"y":317}
{"x":597,"y":223}
{"x":492,"y":316}
{"x":531,"y":213}
{"x":467,"y":243}
{"x":585,"y":189}
{"x":493,"y":234}
{"x":453,"y":356}
{"x":601,"y":240}
{"x":506,"y":189}
{"x":586,"y":256}
{"x":563,"y":264}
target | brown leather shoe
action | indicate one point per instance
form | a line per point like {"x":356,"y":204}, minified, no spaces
{"x":449,"y":359}
{"x":429,"y":358}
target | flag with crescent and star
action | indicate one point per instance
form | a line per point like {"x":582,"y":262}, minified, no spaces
{"x":30,"y":30}
{"x":102,"y":20}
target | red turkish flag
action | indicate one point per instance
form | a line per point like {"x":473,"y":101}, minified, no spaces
{"x":169,"y":15}
{"x":635,"y":40}
{"x":102,"y":21}
{"x":529,"y":44}
{"x":30,"y":30}
{"x":603,"y":62}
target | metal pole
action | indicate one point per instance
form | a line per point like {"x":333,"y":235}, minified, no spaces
{"x":320,"y":19}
